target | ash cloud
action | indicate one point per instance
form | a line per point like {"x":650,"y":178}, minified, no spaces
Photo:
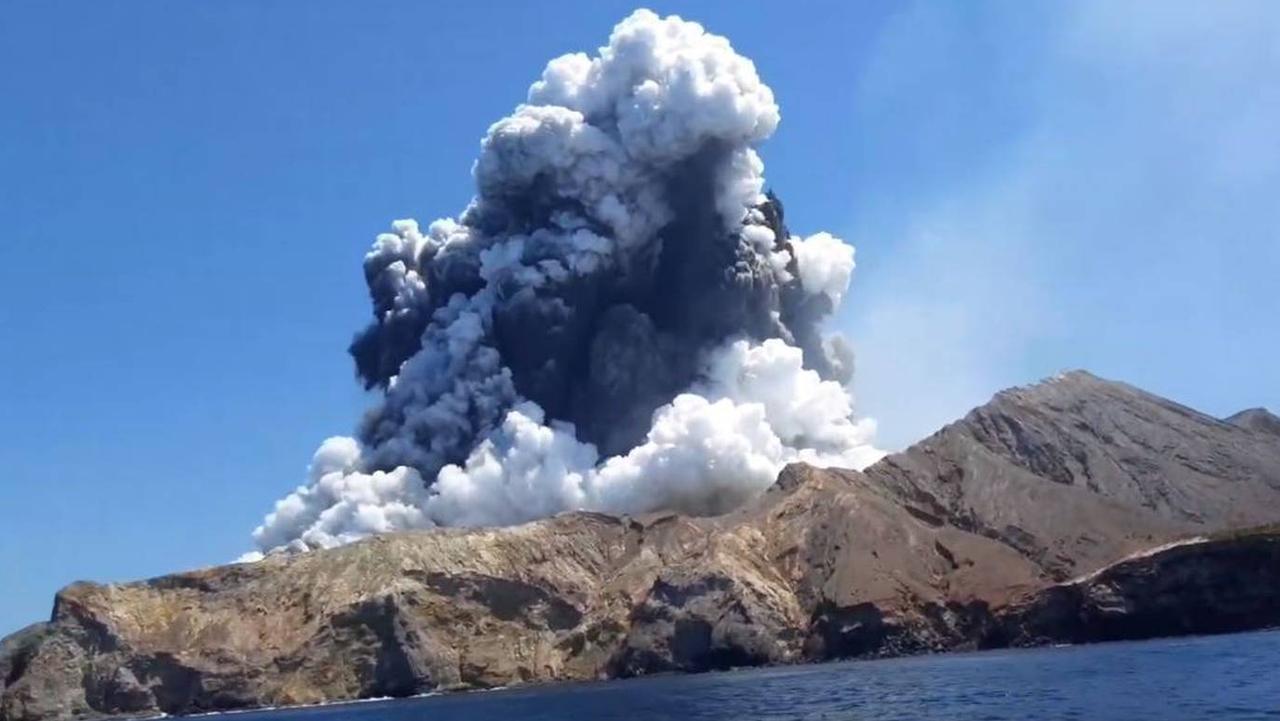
{"x":619,"y":320}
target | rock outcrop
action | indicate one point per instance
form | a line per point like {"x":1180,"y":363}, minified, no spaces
{"x":1025,"y":522}
{"x":1212,"y":585}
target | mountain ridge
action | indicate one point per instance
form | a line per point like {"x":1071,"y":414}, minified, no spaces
{"x":1122,"y":469}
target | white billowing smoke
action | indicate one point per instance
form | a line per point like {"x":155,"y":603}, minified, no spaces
{"x":825,"y":263}
{"x":619,"y":321}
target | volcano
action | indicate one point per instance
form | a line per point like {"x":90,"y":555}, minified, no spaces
{"x":1073,"y":510}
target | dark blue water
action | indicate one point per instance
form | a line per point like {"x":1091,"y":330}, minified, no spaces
{"x":1222,"y":678}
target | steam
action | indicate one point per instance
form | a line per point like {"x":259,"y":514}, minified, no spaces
{"x":619,"y":320}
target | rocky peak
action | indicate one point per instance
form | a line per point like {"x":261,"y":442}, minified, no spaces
{"x":1118,"y":466}
{"x":1260,"y":420}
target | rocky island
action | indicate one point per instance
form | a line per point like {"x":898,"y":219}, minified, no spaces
{"x":1074,"y":510}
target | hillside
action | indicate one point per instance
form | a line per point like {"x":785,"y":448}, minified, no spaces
{"x":1078,"y":471}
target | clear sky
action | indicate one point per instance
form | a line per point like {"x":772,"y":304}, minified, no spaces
{"x":186,"y":190}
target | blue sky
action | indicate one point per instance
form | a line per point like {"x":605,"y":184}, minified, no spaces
{"x":186,"y":191}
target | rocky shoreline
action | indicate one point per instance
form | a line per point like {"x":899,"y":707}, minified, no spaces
{"x":1073,"y":511}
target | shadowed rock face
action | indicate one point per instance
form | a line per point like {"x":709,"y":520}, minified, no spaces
{"x":966,"y":540}
{"x":1213,"y":585}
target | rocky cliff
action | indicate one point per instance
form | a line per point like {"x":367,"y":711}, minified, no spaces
{"x":1047,"y":515}
{"x":1230,"y":582}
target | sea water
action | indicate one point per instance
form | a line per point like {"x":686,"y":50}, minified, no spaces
{"x":1219,"y":678}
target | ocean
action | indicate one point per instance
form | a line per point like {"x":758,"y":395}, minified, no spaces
{"x":1219,"y":678}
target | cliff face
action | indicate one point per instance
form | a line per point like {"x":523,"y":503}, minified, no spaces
{"x":823,"y":565}
{"x":1211,"y":585}
{"x":965,"y":540}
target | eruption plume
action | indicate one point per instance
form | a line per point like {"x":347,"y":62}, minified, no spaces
{"x":619,"y":320}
